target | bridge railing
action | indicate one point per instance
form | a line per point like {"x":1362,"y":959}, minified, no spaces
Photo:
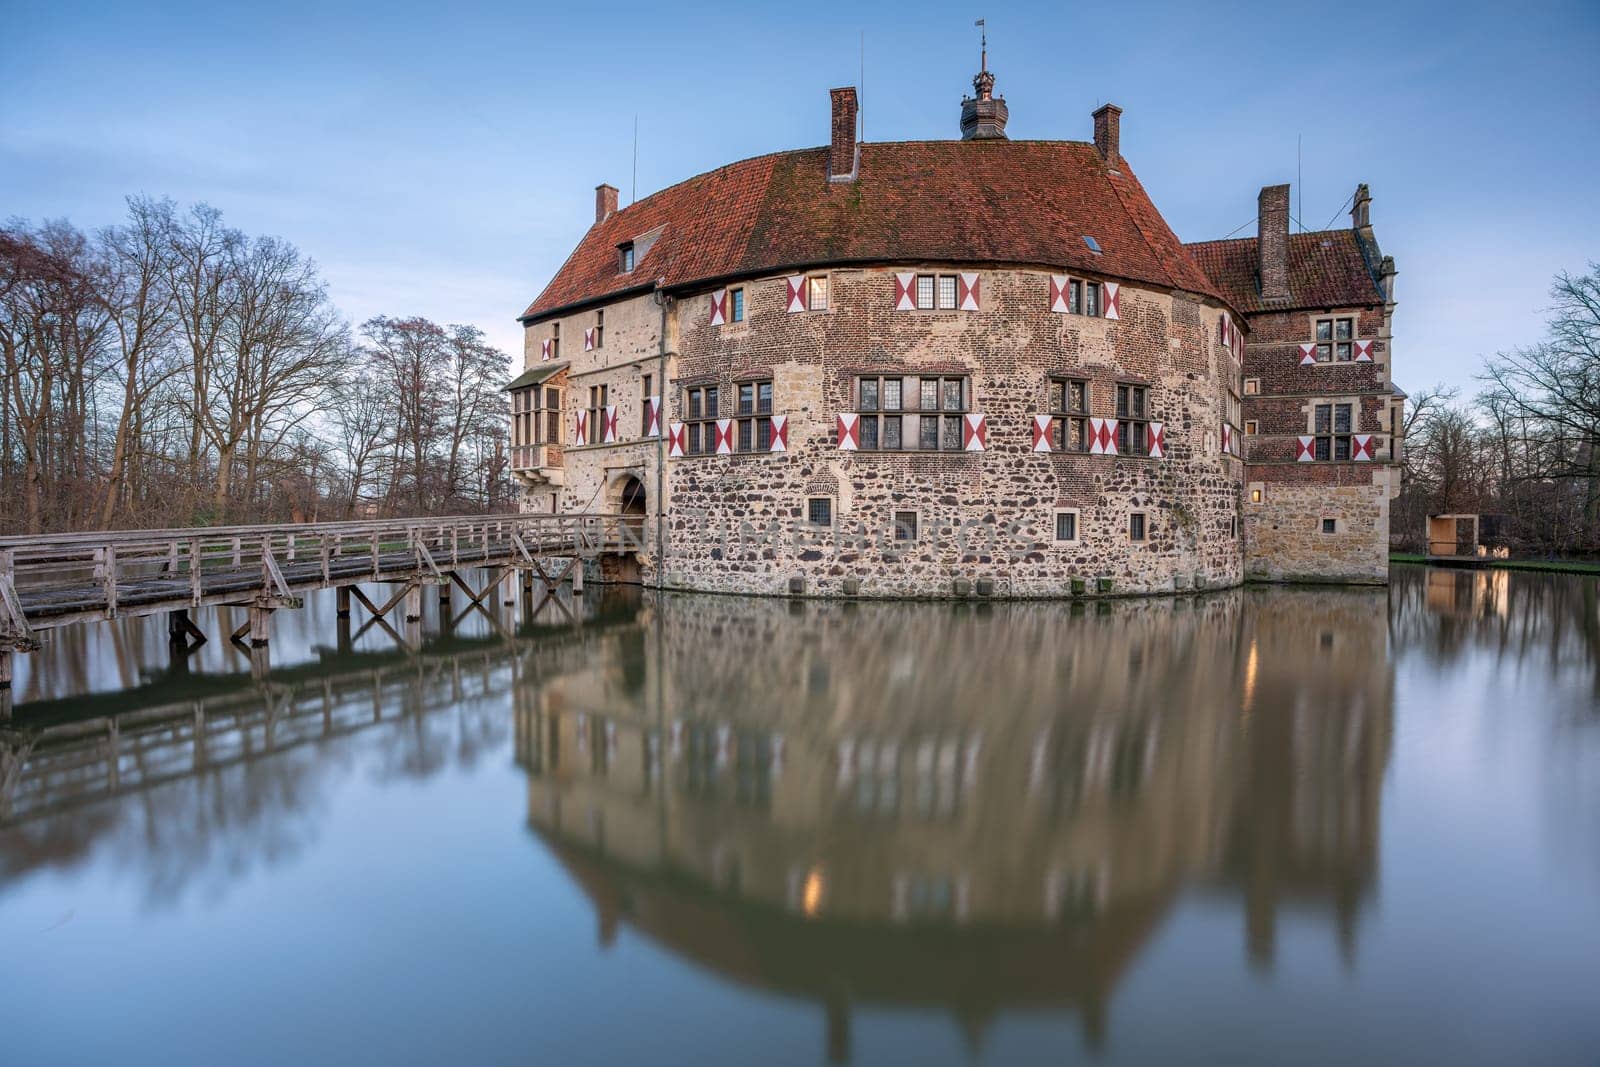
{"x":79,"y":569}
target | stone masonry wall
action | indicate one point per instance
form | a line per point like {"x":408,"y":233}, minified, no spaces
{"x":1285,"y":542}
{"x":1009,"y":348}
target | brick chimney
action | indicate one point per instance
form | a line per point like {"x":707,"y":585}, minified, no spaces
{"x":605,"y":202}
{"x":1108,"y":133}
{"x":1272,"y":241}
{"x":842,"y":151}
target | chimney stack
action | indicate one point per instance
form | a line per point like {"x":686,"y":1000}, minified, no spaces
{"x":1108,"y":133}
{"x":605,"y":202}
{"x":1272,"y":242}
{"x":842,"y":151}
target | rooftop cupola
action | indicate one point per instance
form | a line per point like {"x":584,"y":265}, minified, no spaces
{"x":983,"y":117}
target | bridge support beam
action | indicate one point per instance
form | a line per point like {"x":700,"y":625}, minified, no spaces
{"x":342,"y":596}
{"x":5,"y":683}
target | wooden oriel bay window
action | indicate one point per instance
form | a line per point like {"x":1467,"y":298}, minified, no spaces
{"x":754,"y":433}
{"x":1069,"y":409}
{"x":911,"y":413}
{"x":1133,"y":427}
{"x":535,"y":420}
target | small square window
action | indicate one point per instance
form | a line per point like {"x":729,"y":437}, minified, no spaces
{"x":1330,"y":526}
{"x":1066,"y":526}
{"x":817,"y":291}
{"x":1250,"y":427}
{"x":1252,"y":386}
{"x":819,"y":511}
{"x":1255,"y":496}
{"x":1136,"y":529}
{"x":905,"y":526}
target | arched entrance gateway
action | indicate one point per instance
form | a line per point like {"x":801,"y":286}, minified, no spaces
{"x":630,"y":501}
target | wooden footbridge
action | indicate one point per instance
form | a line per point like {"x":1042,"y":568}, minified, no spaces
{"x":59,"y":580}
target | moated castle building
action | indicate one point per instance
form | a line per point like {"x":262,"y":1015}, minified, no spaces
{"x":933,"y":368}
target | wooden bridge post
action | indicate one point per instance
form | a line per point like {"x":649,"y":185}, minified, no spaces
{"x":5,"y":683}
{"x":413,"y":601}
{"x":342,"y":602}
{"x":260,"y":631}
{"x":577,"y":576}
{"x":508,"y":583}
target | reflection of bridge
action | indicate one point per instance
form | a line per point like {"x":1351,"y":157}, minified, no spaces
{"x":58,"y":754}
{"x":62,"y":579}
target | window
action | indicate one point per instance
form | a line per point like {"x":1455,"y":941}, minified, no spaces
{"x":1136,"y":526}
{"x":533,"y":422}
{"x":1334,"y":340}
{"x":1250,"y":427}
{"x":1133,"y":429}
{"x":555,"y":340}
{"x":1330,"y":526}
{"x":1091,"y":299}
{"x":1252,"y":386}
{"x":816,"y":293}
{"x":1069,"y":408}
{"x":736,"y":305}
{"x":1083,"y":298}
{"x":552,"y":410}
{"x":936,"y":292}
{"x":625,"y":257}
{"x":755,"y":417}
{"x":597,"y":415}
{"x":1331,"y":424}
{"x":905,"y":526}
{"x":1066,"y":526}
{"x":910,"y":412}
{"x":599,"y":328}
{"x":701,"y":420}
{"x":645,"y":393}
{"x":1093,"y":245}
{"x":819,"y":511}
{"x":1255,"y":496}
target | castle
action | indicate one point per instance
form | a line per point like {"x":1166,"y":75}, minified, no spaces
{"x":975,"y":366}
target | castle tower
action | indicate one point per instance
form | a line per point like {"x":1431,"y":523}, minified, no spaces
{"x":983,"y":117}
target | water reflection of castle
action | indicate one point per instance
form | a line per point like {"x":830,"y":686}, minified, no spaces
{"x":847,"y":803}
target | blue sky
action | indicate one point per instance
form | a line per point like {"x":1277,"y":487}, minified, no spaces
{"x":440,"y":159}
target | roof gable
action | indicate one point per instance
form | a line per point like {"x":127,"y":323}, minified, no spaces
{"x":1326,"y":269}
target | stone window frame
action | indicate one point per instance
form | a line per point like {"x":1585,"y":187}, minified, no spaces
{"x":945,"y":418}
{"x":1143,"y":515}
{"x":699,"y":436}
{"x":1333,"y":435}
{"x":1127,"y":425}
{"x":555,"y":340}
{"x":1077,"y":527}
{"x":599,"y":328}
{"x":597,"y":412}
{"x":754,"y":424}
{"x":1252,"y":427}
{"x":1256,"y":492}
{"x":811,"y":502}
{"x":827,"y":286}
{"x":1083,"y":294}
{"x":737,"y":308}
{"x":1063,"y":418}
{"x":646,"y":383}
{"x":1252,"y":387}
{"x":936,"y":278}
{"x":1323,"y":524}
{"x":895,"y":527}
{"x":1333,"y":341}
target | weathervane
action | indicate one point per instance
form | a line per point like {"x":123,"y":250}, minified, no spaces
{"x":983,"y":82}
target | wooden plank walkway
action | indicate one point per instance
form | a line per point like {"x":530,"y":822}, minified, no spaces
{"x":63,"y":579}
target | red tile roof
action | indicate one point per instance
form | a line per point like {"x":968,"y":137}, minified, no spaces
{"x":1326,"y":269}
{"x":969,"y":202}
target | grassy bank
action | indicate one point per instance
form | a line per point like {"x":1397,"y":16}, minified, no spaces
{"x":1557,"y":565}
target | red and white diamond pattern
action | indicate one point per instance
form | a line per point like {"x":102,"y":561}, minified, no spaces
{"x":724,"y":437}
{"x":588,"y":340}
{"x":546,"y":348}
{"x":1158,"y":440}
{"x":1227,"y":439}
{"x":1305,"y":449}
{"x":1102,"y":437}
{"x":1363,"y":351}
{"x":675,"y":436}
{"x":719,"y":307}
{"x":905,"y":292}
{"x":1363,"y":446}
{"x":780,"y":433}
{"x":974,"y":432}
{"x":849,"y":431}
{"x":652,"y":427}
{"x":580,"y":434}
{"x":1308,"y":354}
{"x":797,"y":293}
{"x":1059,"y":287}
{"x":967,"y":292}
{"x":1113,"y":300}
{"x":1041,"y":433}
{"x":608,"y":429}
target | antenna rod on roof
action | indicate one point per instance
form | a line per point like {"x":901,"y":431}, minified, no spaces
{"x":1299,"y":180}
{"x":861,"y":108}
{"x":633,"y":196}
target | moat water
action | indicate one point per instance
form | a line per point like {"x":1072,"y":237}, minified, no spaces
{"x":1261,"y":826}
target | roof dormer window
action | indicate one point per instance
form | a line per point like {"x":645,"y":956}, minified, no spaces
{"x":625,"y":258}
{"x":1091,"y":244}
